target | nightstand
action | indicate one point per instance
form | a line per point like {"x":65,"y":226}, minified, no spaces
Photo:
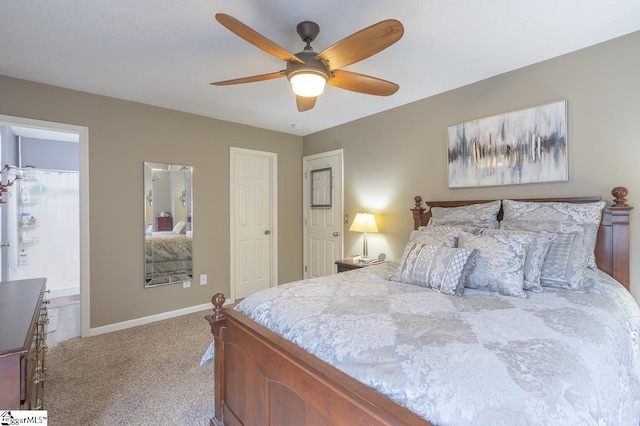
{"x":347,"y":265}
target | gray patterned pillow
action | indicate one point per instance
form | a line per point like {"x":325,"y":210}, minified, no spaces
{"x":568,"y":253}
{"x":499,"y":261}
{"x":535,"y":256}
{"x":565,"y":263}
{"x":436,"y":236}
{"x":475,"y":224}
{"x":483,"y":215}
{"x":465,"y":228}
{"x":577,"y":256}
{"x":483,"y":211}
{"x":588,"y":214}
{"x":438,"y":267}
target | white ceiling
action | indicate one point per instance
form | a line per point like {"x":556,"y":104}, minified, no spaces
{"x":166,"y":52}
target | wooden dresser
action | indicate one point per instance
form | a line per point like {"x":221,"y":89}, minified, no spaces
{"x":164,"y":223}
{"x":23,"y":319}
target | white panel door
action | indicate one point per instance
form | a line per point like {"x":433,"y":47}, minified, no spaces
{"x":252,"y":219}
{"x":323,"y":213}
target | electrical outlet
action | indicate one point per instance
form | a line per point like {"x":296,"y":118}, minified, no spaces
{"x":203,"y":279}
{"x":186,"y":284}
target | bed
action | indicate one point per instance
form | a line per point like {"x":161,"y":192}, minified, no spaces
{"x":406,"y":354}
{"x":168,"y":257}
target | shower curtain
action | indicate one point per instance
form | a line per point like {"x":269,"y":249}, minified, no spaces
{"x":45,"y":241}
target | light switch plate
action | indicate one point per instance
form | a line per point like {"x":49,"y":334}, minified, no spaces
{"x":203,"y":279}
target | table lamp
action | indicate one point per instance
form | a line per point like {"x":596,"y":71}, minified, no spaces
{"x":364,"y":222}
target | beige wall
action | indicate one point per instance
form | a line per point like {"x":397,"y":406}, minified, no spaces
{"x":393,"y":156}
{"x":122,"y":135}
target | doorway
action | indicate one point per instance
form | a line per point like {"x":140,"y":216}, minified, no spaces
{"x":44,"y":200}
{"x":253,"y":221}
{"x":323,"y":213}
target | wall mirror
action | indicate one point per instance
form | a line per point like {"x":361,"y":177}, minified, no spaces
{"x":168,"y":223}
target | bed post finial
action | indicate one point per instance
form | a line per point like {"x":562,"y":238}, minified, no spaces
{"x":218,"y":300}
{"x":418,"y":201}
{"x":620,"y":192}
{"x":417,"y":212}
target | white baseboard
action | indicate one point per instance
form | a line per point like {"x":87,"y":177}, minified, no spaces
{"x":63,"y":292}
{"x":147,"y":320}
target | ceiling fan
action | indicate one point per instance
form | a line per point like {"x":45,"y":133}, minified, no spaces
{"x":309,"y":71}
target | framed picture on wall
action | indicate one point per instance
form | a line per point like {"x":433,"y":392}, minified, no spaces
{"x":321,"y":184}
{"x":525,"y":146}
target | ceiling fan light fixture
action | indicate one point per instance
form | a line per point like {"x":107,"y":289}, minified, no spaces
{"x":308,"y":84}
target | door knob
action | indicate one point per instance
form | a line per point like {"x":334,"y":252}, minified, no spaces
{"x":336,"y":234}
{"x":267,"y":232}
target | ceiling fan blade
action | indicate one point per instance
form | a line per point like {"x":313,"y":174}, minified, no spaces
{"x":362,"y":83}
{"x":261,"y":77}
{"x":255,"y":38}
{"x":304,"y":104}
{"x":361,"y":45}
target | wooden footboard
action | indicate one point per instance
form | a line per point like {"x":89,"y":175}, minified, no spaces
{"x":262,"y":379}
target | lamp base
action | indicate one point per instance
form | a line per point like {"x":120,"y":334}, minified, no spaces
{"x":366,"y":260}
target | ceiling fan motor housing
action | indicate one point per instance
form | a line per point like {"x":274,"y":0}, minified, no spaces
{"x":311,"y":65}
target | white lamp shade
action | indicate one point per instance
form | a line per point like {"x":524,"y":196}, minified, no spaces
{"x":308,"y":85}
{"x":364,"y":222}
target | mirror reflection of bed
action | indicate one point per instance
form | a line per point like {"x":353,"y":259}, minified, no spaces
{"x":168,"y":223}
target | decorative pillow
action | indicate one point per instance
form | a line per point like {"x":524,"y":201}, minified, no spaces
{"x":588,"y":214}
{"x":567,"y":255}
{"x":483,"y":215}
{"x":437,"y":267}
{"x":436,"y":236}
{"x":473,"y":212}
{"x":473,"y":224}
{"x":535,"y":256}
{"x":565,"y":263}
{"x":499,"y":261}
{"x":179,"y":227}
{"x":465,"y":228}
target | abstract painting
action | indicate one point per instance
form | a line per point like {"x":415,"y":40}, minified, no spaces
{"x":526,"y":146}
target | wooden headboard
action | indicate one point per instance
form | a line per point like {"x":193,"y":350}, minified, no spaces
{"x":612,"y":246}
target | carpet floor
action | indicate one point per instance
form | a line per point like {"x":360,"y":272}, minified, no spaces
{"x":146,"y":375}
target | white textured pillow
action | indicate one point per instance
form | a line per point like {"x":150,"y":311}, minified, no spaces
{"x":588,"y":215}
{"x":499,"y":261}
{"x":179,"y":227}
{"x":437,"y":267}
